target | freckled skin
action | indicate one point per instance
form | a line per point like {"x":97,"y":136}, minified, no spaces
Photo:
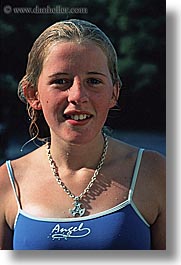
{"x":95,"y":97}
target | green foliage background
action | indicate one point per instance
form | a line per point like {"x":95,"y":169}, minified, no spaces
{"x":137,"y":30}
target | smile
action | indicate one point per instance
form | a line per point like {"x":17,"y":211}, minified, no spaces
{"x":77,"y":117}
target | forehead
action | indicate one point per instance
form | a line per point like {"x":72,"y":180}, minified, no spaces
{"x":74,"y":54}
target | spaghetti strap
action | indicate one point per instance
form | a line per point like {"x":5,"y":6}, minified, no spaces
{"x":133,"y":184}
{"x":12,"y":180}
{"x":135,"y":174}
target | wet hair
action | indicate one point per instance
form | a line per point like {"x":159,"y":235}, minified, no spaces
{"x":72,"y":30}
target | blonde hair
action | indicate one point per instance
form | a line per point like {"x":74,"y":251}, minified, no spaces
{"x":73,"y":30}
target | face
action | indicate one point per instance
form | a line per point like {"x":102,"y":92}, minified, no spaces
{"x":75,"y":91}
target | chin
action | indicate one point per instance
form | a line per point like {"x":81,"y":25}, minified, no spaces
{"x":78,"y":137}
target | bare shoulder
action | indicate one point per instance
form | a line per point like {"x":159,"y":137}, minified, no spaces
{"x":121,"y":149}
{"x":154,"y":166}
{"x":19,"y":168}
{"x":152,"y":172}
{"x":152,"y":161}
{"x":4,"y":181}
{"x":24,"y":164}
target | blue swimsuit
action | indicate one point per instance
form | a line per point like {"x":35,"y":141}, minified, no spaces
{"x":121,"y":227}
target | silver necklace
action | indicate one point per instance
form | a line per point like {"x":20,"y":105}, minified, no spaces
{"x":77,"y":209}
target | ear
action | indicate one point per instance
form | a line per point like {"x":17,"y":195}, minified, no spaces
{"x":32,"y":96}
{"x":115,"y":95}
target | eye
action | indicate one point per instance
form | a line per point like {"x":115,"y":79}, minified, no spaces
{"x":93,"y":81}
{"x":60,"y":81}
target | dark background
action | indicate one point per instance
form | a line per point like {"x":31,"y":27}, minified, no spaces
{"x":137,"y":30}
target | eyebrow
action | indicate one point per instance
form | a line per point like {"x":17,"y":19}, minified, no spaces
{"x":96,"y":73}
{"x":63,"y":73}
{"x":57,"y":74}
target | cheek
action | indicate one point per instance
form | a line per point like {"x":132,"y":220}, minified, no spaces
{"x":47,"y":106}
{"x":103,"y":102}
{"x":48,"y":100}
{"x":53,"y":107}
{"x":46,"y":103}
{"x":102,"y":109}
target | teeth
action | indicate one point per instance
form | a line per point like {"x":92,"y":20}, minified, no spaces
{"x":79,"y":117}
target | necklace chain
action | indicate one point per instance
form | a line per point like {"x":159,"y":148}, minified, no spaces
{"x":77,"y":209}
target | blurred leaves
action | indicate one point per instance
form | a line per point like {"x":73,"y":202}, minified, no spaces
{"x":8,"y":82}
{"x":6,"y":28}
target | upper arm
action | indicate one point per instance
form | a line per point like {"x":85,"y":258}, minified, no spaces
{"x":158,"y":228}
{"x":6,"y":234}
{"x":158,"y":232}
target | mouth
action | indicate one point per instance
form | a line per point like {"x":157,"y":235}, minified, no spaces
{"x":77,"y":117}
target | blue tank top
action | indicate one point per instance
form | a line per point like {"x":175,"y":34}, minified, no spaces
{"x":119,"y":228}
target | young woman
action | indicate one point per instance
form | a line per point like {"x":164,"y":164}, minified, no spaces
{"x":82,"y":189}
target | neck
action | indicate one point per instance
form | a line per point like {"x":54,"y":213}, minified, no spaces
{"x":76,"y":156}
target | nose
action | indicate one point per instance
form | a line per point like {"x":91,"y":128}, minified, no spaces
{"x":77,"y":93}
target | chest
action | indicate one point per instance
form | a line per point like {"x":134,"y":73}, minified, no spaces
{"x":41,"y":195}
{"x":49,"y":199}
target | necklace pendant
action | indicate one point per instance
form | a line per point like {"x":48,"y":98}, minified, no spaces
{"x":77,"y":210}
